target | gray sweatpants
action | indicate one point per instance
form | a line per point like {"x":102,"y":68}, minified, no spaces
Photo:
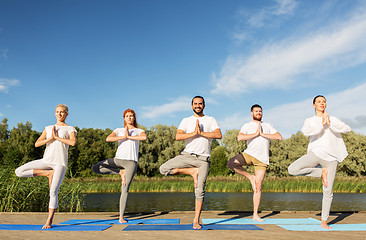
{"x":188,"y":160}
{"x":307,"y":166}
{"x":113,"y":166}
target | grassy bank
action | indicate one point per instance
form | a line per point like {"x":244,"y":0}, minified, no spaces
{"x":217,"y":184}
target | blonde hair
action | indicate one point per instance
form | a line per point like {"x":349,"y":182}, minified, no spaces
{"x":64,"y":107}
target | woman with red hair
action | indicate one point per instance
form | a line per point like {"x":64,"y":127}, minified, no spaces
{"x":125,"y":161}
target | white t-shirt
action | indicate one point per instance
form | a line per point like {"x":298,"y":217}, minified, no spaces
{"x":326,"y":141}
{"x":57,"y":152}
{"x":128,"y":149}
{"x":258,"y":147}
{"x":198,"y":145}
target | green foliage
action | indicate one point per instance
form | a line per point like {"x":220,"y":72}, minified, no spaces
{"x":17,"y":147}
{"x":90,"y":148}
{"x":218,"y":164}
{"x":159,"y":147}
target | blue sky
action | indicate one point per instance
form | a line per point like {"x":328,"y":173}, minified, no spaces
{"x":102,"y":57}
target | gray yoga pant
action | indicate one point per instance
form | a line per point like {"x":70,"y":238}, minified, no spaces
{"x":307,"y":166}
{"x":188,"y":160}
{"x":113,"y":166}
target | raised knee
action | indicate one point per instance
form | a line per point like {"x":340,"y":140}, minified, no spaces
{"x":231,"y":163}
{"x":163,"y":170}
{"x":18,"y":172}
{"x":292,"y":170}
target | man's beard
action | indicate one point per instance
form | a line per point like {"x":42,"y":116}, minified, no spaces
{"x":198,"y":112}
{"x":257,"y":118}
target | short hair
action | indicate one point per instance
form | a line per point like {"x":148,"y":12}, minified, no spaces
{"x":255,"y":106}
{"x":198,"y":97}
{"x":317,"y":96}
{"x":64,"y":107}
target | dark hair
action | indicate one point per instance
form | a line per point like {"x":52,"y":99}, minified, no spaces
{"x":318,"y":97}
{"x":198,"y":97}
{"x":255,"y":106}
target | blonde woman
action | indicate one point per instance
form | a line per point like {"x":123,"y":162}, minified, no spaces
{"x":58,"y":138}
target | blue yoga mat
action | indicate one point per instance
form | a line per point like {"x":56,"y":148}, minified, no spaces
{"x":185,"y":227}
{"x":284,"y":221}
{"x":335,"y":227}
{"x":115,"y":221}
{"x":27,"y":227}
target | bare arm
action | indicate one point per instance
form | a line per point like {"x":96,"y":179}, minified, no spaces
{"x":113,"y":137}
{"x":69,"y":141}
{"x":243,"y":136}
{"x":275,"y":136}
{"x":141,"y":137}
{"x":215,"y":134}
{"x":182,"y":135}
{"x":42,"y":140}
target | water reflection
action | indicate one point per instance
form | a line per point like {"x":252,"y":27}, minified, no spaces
{"x":147,"y":202}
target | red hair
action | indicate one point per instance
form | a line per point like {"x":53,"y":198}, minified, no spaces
{"x":134,"y":114}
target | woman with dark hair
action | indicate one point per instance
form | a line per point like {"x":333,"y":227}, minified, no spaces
{"x":326,"y":148}
{"x":53,"y":165}
{"x":125,"y":161}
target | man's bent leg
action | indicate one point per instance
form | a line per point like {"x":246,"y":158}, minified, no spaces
{"x":236,"y":164}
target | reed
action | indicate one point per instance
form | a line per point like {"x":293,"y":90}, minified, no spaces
{"x":221,"y":184}
{"x":32,"y":194}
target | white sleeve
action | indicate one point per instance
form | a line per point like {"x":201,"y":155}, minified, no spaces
{"x":244,"y":129}
{"x":337,"y":126}
{"x":312,"y":127}
{"x":271,"y":129}
{"x":214,"y":125}
{"x":183,"y":125}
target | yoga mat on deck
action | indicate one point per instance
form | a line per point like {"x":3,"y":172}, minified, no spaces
{"x":115,"y":221}
{"x":185,"y":227}
{"x":284,"y":221}
{"x":28,"y":227}
{"x":335,"y":227}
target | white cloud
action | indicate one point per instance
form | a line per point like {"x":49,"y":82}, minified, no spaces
{"x":277,"y":64}
{"x":6,"y":83}
{"x":179,"y":105}
{"x":348,"y":105}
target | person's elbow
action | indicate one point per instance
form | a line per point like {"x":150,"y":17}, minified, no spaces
{"x":73,"y":143}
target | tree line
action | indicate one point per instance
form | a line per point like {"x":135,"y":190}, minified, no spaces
{"x":17,"y":148}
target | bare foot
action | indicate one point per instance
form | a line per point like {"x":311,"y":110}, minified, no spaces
{"x":50,"y":178}
{"x":123,"y":177}
{"x":257,"y":218}
{"x":324,"y":177}
{"x":196,"y":225}
{"x":122,"y":219}
{"x":325,"y":225}
{"x":252,"y":181}
{"x":47,"y":225}
{"x":194,"y":174}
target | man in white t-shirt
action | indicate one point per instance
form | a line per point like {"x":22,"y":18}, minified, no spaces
{"x":198,"y":132}
{"x":258,"y":136}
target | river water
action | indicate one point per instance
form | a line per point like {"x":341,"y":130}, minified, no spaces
{"x":158,"y":202}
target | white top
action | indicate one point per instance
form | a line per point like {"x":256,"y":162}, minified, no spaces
{"x":258,"y":147}
{"x":198,"y":145}
{"x":128,"y":149}
{"x":326,"y":141}
{"x":57,"y":152}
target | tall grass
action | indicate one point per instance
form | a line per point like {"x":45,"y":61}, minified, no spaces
{"x":32,"y":194}
{"x":223,"y":184}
